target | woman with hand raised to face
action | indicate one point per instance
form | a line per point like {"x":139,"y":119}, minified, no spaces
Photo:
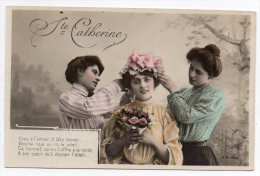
{"x":197,"y":109}
{"x":159,"y":143}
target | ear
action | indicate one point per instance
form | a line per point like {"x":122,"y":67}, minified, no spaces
{"x":80,"y":72}
{"x":211,"y":76}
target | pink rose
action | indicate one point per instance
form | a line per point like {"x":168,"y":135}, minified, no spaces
{"x":123,"y":119}
{"x":142,"y":121}
{"x":144,"y":114}
{"x":132,"y":65}
{"x":133,"y":120}
{"x":139,"y":61}
{"x":157,"y":62}
{"x":148,"y":61}
{"x":132,"y":60}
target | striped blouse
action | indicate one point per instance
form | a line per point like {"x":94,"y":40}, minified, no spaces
{"x":78,"y":111}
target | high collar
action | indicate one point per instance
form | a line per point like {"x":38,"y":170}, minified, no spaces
{"x":201,"y":87}
{"x":80,"y":89}
{"x":144,"y":103}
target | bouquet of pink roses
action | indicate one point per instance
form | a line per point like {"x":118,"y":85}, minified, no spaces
{"x":131,"y":119}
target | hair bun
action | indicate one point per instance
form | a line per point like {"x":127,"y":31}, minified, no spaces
{"x":213,"y":49}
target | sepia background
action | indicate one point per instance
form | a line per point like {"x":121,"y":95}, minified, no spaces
{"x":38,"y":62}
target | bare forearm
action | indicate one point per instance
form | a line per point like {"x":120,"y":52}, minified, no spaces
{"x":131,"y":137}
{"x":167,"y":83}
{"x":161,"y":151}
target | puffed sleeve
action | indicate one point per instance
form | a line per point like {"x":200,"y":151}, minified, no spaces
{"x":85,"y":107}
{"x":111,"y":133}
{"x":171,"y":139}
{"x":208,"y":105}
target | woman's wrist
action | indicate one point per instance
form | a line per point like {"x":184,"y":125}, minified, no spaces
{"x":122,"y":141}
{"x":172,"y":90}
{"x":162,"y":151}
{"x":153,"y":143}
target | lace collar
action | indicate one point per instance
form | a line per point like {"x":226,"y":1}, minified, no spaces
{"x":143,"y":103}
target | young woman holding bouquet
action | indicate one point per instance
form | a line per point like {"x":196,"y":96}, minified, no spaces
{"x":141,"y":132}
{"x":199,"y":108}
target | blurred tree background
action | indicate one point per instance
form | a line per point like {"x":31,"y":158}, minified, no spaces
{"x":33,"y":96}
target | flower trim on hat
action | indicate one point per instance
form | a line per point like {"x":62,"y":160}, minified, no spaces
{"x":141,"y":62}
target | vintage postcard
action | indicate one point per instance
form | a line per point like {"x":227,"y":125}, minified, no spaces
{"x":57,"y":117}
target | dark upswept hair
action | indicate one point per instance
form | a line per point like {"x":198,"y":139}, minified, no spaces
{"x":126,"y":78}
{"x":208,"y":57}
{"x":81,"y":63}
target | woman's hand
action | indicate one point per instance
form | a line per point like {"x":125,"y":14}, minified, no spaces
{"x":132,"y":137}
{"x":157,"y":145}
{"x":147,"y":138}
{"x":167,"y":82}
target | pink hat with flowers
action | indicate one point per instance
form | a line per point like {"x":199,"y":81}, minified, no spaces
{"x":141,"y":62}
